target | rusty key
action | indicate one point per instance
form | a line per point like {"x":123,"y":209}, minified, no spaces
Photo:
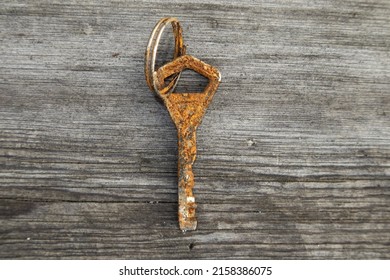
{"x":185,"y":109}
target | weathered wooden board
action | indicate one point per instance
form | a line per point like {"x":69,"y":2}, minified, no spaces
{"x":293,"y":154}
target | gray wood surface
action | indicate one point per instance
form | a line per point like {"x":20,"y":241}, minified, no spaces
{"x":293,"y":154}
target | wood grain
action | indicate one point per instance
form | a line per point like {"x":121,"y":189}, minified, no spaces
{"x":293,"y":153}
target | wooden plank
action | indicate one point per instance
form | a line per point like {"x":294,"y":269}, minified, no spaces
{"x":293,"y":153}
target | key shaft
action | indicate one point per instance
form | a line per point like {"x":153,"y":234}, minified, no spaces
{"x":186,"y":180}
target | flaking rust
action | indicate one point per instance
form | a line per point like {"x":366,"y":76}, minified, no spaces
{"x":186,"y":111}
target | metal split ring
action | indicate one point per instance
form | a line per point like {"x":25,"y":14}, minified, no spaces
{"x":151,"y":52}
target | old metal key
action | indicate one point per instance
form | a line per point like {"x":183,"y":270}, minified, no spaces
{"x":185,"y":109}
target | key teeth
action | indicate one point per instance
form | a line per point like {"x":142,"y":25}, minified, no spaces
{"x":187,"y":218}
{"x":189,"y":224}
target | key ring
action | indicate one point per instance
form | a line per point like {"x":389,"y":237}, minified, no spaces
{"x":151,"y":52}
